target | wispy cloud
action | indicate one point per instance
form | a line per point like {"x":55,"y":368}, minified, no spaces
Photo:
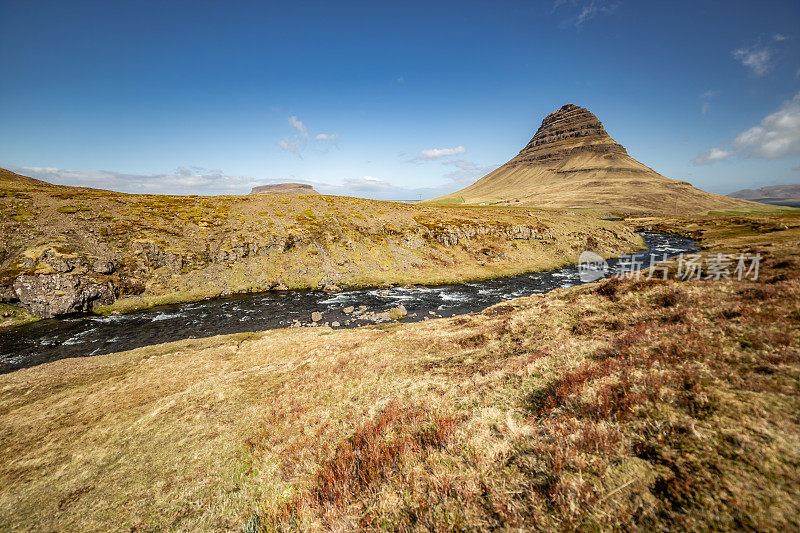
{"x":757,"y":58}
{"x":186,"y":180}
{"x":330,"y":138}
{"x":582,"y":11}
{"x":432,"y":154}
{"x":298,"y":125}
{"x":182,"y":180}
{"x":711,"y":155}
{"x":382,"y":189}
{"x":777,"y":136}
{"x":705,"y":107}
{"x":299,"y":140}
{"x":461,"y":163}
{"x":762,"y":54}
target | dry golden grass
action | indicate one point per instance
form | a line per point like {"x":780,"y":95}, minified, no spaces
{"x":610,"y":182}
{"x":634,"y":405}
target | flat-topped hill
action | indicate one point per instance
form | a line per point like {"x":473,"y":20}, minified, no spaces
{"x":284,"y":188}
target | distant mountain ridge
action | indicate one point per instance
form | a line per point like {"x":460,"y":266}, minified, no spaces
{"x":572,"y":162}
{"x":786,"y":195}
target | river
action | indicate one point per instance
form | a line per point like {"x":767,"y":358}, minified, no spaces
{"x":86,"y":335}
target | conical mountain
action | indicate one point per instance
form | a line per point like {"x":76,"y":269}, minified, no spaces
{"x":571,"y":162}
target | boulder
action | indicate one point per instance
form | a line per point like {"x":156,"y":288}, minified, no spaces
{"x":398,"y":312}
{"x":59,"y":294}
{"x":316,"y":316}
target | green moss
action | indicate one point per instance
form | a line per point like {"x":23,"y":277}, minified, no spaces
{"x":20,"y":215}
{"x":12,"y":316}
{"x":138,"y":303}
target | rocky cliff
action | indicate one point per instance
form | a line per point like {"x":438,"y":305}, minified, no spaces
{"x":566,"y":132}
{"x":572,"y":162}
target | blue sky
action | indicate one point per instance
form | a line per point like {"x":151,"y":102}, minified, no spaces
{"x":389,"y":100}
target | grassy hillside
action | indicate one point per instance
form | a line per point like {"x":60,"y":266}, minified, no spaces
{"x":571,"y":162}
{"x":156,"y":249}
{"x":620,"y":184}
{"x":636,"y":405}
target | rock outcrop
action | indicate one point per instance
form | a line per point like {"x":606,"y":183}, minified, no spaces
{"x":60,"y":294}
{"x":284,"y":188}
{"x":564,"y":133}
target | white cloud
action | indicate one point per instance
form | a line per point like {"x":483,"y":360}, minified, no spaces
{"x":330,"y":138}
{"x":705,"y":107}
{"x":381,"y":189}
{"x":711,"y":155}
{"x":583,"y":11}
{"x":778,"y":37}
{"x":777,"y":136}
{"x":461,"y":163}
{"x":586,"y":13}
{"x":298,"y":142}
{"x":400,"y":79}
{"x":298,"y":125}
{"x":293,"y":146}
{"x":757,"y":58}
{"x":437,"y":153}
{"x":202,"y":181}
{"x":183,"y":180}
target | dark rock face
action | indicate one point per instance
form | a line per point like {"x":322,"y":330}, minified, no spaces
{"x":284,"y":188}
{"x":564,"y":132}
{"x":59,"y":294}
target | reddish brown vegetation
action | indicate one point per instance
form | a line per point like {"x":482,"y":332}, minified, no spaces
{"x":634,"y":435}
{"x":374,"y":454}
